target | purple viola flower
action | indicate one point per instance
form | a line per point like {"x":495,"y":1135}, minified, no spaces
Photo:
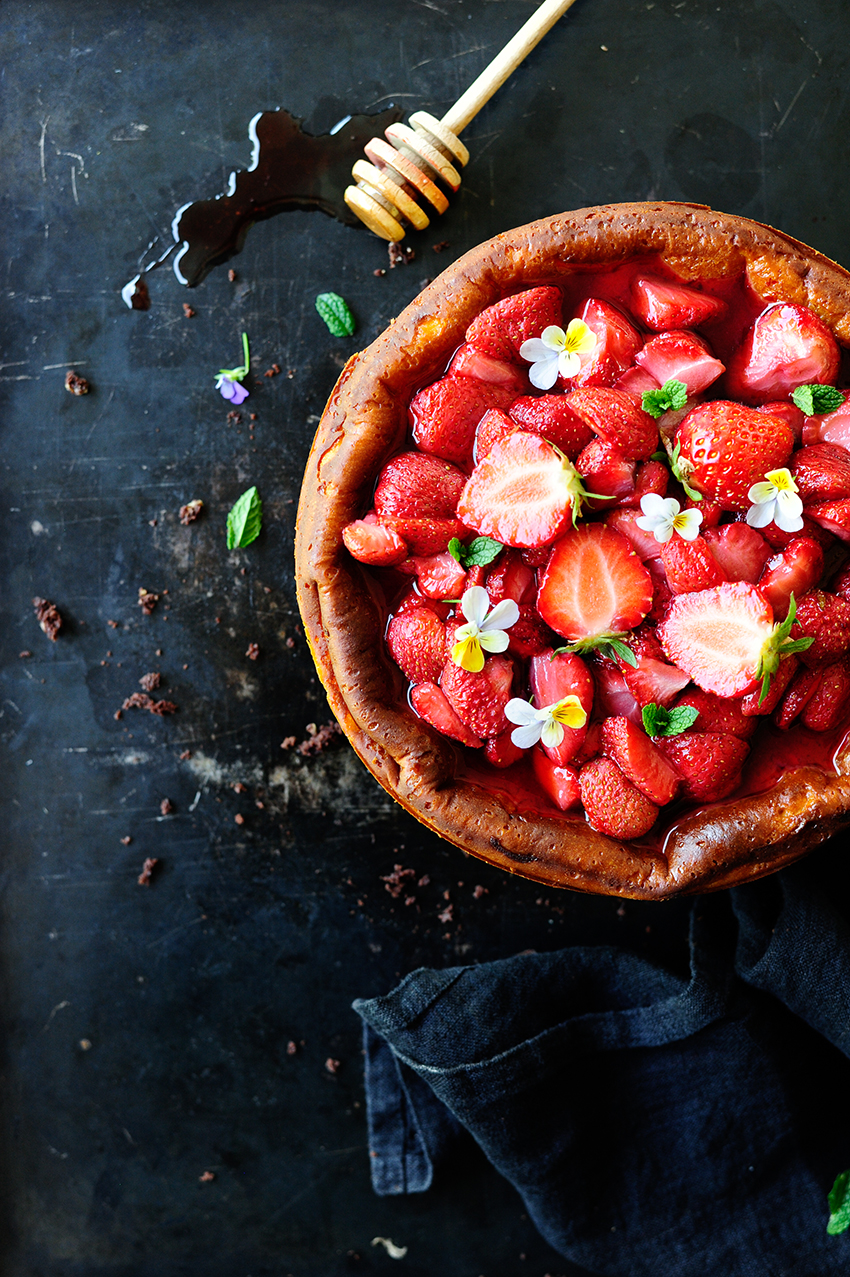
{"x":227,"y":379}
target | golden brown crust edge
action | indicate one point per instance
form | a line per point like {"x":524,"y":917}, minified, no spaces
{"x":365,"y":420}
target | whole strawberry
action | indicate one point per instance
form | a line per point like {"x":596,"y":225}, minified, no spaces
{"x":417,"y":643}
{"x":725,"y":448}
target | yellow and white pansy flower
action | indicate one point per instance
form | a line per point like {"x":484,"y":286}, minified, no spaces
{"x":484,"y":630}
{"x":557,"y":352}
{"x":776,"y":500}
{"x":546,"y":724}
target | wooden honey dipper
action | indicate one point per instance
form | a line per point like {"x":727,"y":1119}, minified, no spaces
{"x":418,"y":160}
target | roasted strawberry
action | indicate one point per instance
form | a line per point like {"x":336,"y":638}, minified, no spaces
{"x":593,"y":585}
{"x":719,"y":715}
{"x":501,"y":751}
{"x":653,"y":681}
{"x":833,"y":516}
{"x":612,"y":693}
{"x":606,"y":473}
{"x":780,"y":539}
{"x":829,"y":427}
{"x":756,"y":706}
{"x":551,"y":417}
{"x":690,"y":565}
{"x":617,"y":418}
{"x":530,"y":635}
{"x":511,"y":579}
{"x":411,"y":600}
{"x":479,"y":700}
{"x":469,"y":361}
{"x":417,"y":643}
{"x":560,"y":783}
{"x":664,"y":304}
{"x":623,"y":519}
{"x":680,"y":356}
{"x":617,"y":343}
{"x":740,"y":550}
{"x":787,"y":412}
{"x":710,"y":765}
{"x":552,"y":678}
{"x":493,"y":427}
{"x":640,"y":760}
{"x":828,"y":705}
{"x":431,"y":704}
{"x":440,"y":576}
{"x":650,"y":476}
{"x":612,"y":804}
{"x":444,"y":415}
{"x":825,"y":618}
{"x":840,"y":583}
{"x":726,"y":448}
{"x":799,"y":692}
{"x":425,"y":536}
{"x":368,"y":542}
{"x":418,"y":486}
{"x":523,"y":493}
{"x":787,"y":346}
{"x":636,"y":380}
{"x":794,"y":570}
{"x":725,"y":638}
{"x":821,"y":472}
{"x":501,"y":329}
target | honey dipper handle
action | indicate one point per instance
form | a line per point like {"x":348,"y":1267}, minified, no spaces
{"x":493,"y":76}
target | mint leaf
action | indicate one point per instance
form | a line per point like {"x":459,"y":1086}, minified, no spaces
{"x":814,"y":400}
{"x":658,"y":721}
{"x":839,"y":1204}
{"x":244,"y":520}
{"x":335,"y":312}
{"x":672,"y":395}
{"x":479,"y":552}
{"x":621,"y":649}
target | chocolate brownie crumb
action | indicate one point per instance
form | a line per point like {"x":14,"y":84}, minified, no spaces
{"x":113,"y":625}
{"x":332,"y":1065}
{"x":117,"y":714}
{"x":273,"y":371}
{"x":380,"y":271}
{"x":166,"y":807}
{"x":125,"y":841}
{"x":150,"y":682}
{"x":291,"y":1048}
{"x":147,"y":600}
{"x":239,"y":788}
{"x":288,"y":742}
{"x":187,"y":311}
{"x":400,"y":254}
{"x":239,"y":818}
{"x":189,"y":512}
{"x":235,"y":417}
{"x":290,"y":642}
{"x":252,"y":416}
{"x":441,"y":247}
{"x":479,"y":892}
{"x":446,"y":915}
{"x":24,"y":655}
{"x":144,"y":878}
{"x":76,"y":384}
{"x":253,"y":651}
{"x":394,"y":882}
{"x":424,"y":880}
{"x":187,"y":753}
{"x":141,"y":700}
{"x":48,"y":616}
{"x":231,"y":275}
{"x":207,"y":1177}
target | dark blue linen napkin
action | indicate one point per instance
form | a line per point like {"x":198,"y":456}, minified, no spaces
{"x":652,"y":1124}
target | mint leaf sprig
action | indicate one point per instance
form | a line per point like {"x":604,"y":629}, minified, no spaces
{"x":816,"y":400}
{"x":672,"y":396}
{"x":245,"y":520}
{"x":658,"y":721}
{"x":839,"y":1205}
{"x":479,"y":552}
{"x":336,"y":313}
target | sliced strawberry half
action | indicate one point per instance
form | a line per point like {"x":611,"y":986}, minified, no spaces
{"x":369,"y":542}
{"x":431,"y":704}
{"x":552,"y":417}
{"x":494,"y":427}
{"x":617,"y":343}
{"x":654,"y":682}
{"x":594,"y":585}
{"x":690,"y":565}
{"x":833,"y":516}
{"x":663,"y":304}
{"x":680,"y":356}
{"x":640,"y":760}
{"x":613,"y":695}
{"x":501,"y":751}
{"x":440,"y":576}
{"x":501,"y":329}
{"x":551,"y":679}
{"x":623,"y":519}
{"x":523,"y":493}
{"x":740,"y":550}
{"x":560,"y":783}
{"x":607,"y":473}
{"x":787,"y":346}
{"x":794,"y":570}
{"x":725,"y":638}
{"x":445,"y":414}
{"x":829,"y":427}
{"x":617,"y":418}
{"x":470,"y":361}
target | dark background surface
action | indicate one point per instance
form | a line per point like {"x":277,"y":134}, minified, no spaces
{"x":255,"y":935}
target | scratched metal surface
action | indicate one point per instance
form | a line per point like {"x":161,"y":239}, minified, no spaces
{"x":255,"y":935}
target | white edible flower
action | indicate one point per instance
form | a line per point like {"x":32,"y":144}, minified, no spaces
{"x":483,"y":628}
{"x":546,"y":724}
{"x":662,"y":516}
{"x":776,"y":500}
{"x":556,"y":351}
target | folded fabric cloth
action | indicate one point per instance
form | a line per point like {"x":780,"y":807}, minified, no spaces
{"x":651,"y":1124}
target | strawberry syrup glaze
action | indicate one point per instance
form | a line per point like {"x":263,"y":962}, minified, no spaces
{"x":773,"y":752}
